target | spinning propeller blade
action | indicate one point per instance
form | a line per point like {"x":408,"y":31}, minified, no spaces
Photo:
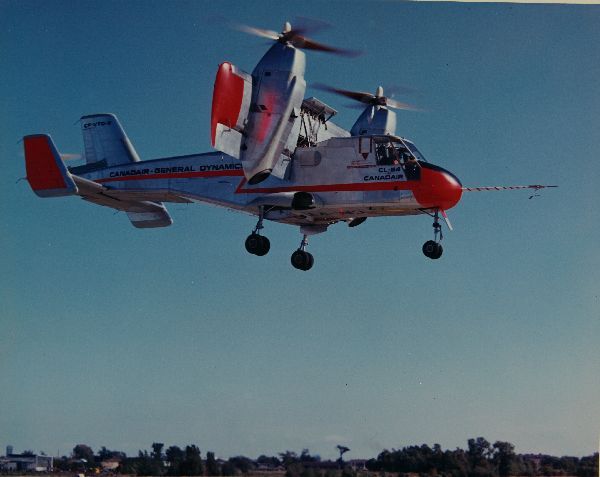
{"x":296,"y":38}
{"x":377,"y":99}
{"x":68,"y":156}
{"x":270,"y":34}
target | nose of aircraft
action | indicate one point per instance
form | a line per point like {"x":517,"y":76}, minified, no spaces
{"x":438,"y":188}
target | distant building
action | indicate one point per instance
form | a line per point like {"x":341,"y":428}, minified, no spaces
{"x":25,"y":462}
{"x":358,"y":464}
{"x":112,"y":463}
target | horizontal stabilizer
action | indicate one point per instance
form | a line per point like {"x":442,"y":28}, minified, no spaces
{"x":145,"y":220}
{"x":141,"y":213}
{"x":46,"y":172}
{"x":49,"y":177}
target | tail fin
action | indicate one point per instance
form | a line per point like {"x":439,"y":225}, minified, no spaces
{"x":105,"y":141}
{"x":46,"y":172}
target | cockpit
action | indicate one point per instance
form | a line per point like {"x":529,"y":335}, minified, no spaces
{"x":396,"y":151}
{"x":391,"y":150}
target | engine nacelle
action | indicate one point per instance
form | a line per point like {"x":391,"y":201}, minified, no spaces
{"x":255,"y":118}
{"x":273,"y":121}
{"x":375,"y":120}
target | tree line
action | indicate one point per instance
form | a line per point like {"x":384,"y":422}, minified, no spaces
{"x":480,"y":459}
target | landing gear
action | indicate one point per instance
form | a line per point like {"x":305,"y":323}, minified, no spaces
{"x":301,"y":259}
{"x":257,"y":244}
{"x":433,"y":248}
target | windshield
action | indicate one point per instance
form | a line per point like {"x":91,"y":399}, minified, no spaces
{"x":392,"y":151}
{"x":415,"y":151}
{"x":395,"y":152}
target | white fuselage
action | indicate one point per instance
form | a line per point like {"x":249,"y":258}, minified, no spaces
{"x":341,"y":172}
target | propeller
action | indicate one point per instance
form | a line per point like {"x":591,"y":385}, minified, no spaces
{"x":296,"y":36}
{"x":377,"y":99}
{"x":68,"y":156}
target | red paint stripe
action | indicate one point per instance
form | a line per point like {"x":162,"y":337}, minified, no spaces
{"x":352,"y":187}
{"x":172,"y":175}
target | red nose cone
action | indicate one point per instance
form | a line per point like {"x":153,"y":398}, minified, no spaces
{"x":438,"y":188}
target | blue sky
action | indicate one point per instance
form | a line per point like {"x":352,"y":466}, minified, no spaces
{"x":120,"y":337}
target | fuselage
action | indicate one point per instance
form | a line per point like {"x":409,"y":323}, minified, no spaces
{"x":347,"y":175}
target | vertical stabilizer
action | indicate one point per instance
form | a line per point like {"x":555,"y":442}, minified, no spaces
{"x":105,"y":141}
{"x":46,"y":172}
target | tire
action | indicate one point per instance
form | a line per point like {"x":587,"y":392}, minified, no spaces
{"x":253,"y":243}
{"x":429,"y":248}
{"x":301,"y":260}
{"x":311,"y":261}
{"x":264,"y":247}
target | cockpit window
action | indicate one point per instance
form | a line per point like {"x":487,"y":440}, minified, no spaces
{"x":391,"y":151}
{"x":415,"y":151}
{"x":386,"y":154}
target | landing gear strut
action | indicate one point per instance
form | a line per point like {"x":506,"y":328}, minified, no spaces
{"x":301,"y":259}
{"x":257,"y":244}
{"x":433,"y":248}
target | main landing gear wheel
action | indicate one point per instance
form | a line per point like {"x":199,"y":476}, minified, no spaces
{"x":432,"y":249}
{"x":302,"y":260}
{"x":257,"y":244}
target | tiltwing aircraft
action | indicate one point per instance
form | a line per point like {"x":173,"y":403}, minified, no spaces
{"x":278,"y":156}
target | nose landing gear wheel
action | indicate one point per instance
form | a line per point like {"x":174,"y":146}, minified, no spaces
{"x":432,"y":249}
{"x":302,"y":260}
{"x":257,"y":244}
